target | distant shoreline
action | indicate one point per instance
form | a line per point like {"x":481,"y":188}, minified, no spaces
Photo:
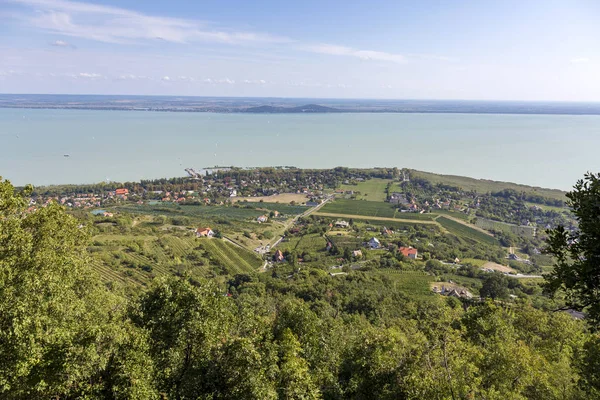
{"x":235,"y":105}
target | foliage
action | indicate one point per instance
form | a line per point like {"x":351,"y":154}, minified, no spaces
{"x":578,"y":253}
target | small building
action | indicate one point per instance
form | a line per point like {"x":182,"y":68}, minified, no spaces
{"x":341,"y":224}
{"x":107,"y":214}
{"x":122,"y":192}
{"x":262,"y":218}
{"x":204,"y":232}
{"x":278,"y":256}
{"x":276,"y":213}
{"x":409,"y":252}
{"x":374,"y":243}
{"x":398,"y":198}
{"x":357,"y":253}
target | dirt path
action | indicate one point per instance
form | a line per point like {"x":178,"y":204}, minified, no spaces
{"x":410,"y":221}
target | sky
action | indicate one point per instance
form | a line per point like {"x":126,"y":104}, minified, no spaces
{"x":390,"y":49}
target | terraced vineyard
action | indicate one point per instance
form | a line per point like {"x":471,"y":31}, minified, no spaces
{"x":139,"y":259}
{"x":233,"y":259}
{"x":465,"y":231}
{"x":413,"y":283}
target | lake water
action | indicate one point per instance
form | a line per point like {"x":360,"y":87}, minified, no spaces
{"x":542,"y":150}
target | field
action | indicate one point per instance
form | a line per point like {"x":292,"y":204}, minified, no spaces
{"x":346,"y":242}
{"x":284,"y":198}
{"x":413,"y":283}
{"x":485,"y":186}
{"x":284,"y":209}
{"x":198,"y":211}
{"x":309,"y":243}
{"x":371,"y":209}
{"x":140,"y":258}
{"x":371,"y":189}
{"x":497,"y":267}
{"x":525,"y":231}
{"x":465,"y":231}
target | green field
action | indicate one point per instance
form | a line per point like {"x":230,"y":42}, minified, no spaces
{"x":140,"y":258}
{"x":233,"y":259}
{"x":525,"y":231}
{"x":413,"y":283}
{"x":371,"y":209}
{"x":372,"y":189}
{"x":201,"y":211}
{"x":485,"y":186}
{"x":461,"y":230}
{"x":285,"y":209}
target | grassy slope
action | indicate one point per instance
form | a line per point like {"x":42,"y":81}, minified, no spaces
{"x":372,"y":189}
{"x":485,"y":186}
{"x":463,"y":230}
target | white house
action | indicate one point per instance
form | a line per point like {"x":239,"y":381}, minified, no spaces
{"x":374,"y":243}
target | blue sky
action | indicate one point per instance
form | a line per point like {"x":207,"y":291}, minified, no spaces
{"x":498,"y":50}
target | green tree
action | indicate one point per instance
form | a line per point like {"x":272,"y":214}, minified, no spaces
{"x":495,"y":286}
{"x":577,"y":268}
{"x":294,"y":378}
{"x":62,"y":334}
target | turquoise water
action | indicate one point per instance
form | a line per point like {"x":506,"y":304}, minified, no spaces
{"x":542,"y":150}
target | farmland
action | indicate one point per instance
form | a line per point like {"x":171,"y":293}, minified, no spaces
{"x":525,"y":231}
{"x":371,"y":209}
{"x":413,"y":283}
{"x":372,"y":189}
{"x":140,"y":258}
{"x":199,"y":211}
{"x":465,"y":231}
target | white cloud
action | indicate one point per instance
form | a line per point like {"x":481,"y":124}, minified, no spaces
{"x":166,"y":78}
{"x":580,"y":60}
{"x":119,"y":25}
{"x":88,"y":75}
{"x":334,"y":50}
{"x":254,"y":81}
{"x":60,"y":43}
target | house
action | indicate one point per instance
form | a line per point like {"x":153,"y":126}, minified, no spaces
{"x":357,"y":253}
{"x":262,"y":218}
{"x":204,"y":232}
{"x":121,"y":192}
{"x":374,"y":243}
{"x":398,"y":198}
{"x":276,"y":213}
{"x":341,"y":224}
{"x":386,"y":231}
{"x":409,"y":252}
{"x":107,"y":214}
{"x":278,"y":256}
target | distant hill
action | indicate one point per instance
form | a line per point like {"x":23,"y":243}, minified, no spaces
{"x":309,"y":108}
{"x":486,"y":185}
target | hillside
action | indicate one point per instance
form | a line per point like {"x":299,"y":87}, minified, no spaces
{"x":486,"y":185}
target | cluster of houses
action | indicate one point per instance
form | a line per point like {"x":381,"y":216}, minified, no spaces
{"x":453,"y":292}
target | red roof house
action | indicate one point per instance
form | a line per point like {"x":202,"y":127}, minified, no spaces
{"x":409,"y":252}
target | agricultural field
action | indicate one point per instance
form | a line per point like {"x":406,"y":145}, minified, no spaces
{"x":284,"y":209}
{"x":519,"y":230}
{"x":371,"y":209}
{"x":486,"y":186}
{"x":192,"y":211}
{"x":461,"y":230}
{"x":346,"y":242}
{"x":360,"y":207}
{"x":140,"y":258}
{"x":371,"y":189}
{"x":284,"y":198}
{"x":413,"y":283}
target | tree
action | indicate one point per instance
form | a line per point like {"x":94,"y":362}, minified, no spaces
{"x":495,"y":286}
{"x":62,"y":334}
{"x":577,"y":267}
{"x":295,"y":381}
